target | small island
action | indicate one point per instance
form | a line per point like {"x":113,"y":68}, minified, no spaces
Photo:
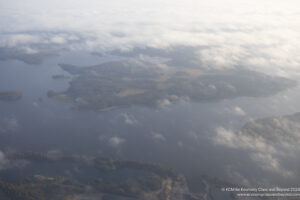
{"x":13,"y":95}
{"x":60,"y":77}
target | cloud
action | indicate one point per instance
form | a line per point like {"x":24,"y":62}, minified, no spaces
{"x":8,"y":124}
{"x":163,"y":102}
{"x":236,"y":110}
{"x":172,"y":99}
{"x":234,"y":175}
{"x":260,"y":152}
{"x":15,"y":39}
{"x":270,"y":163}
{"x":3,"y":160}
{"x":5,"y":163}
{"x":158,"y":137}
{"x":116,"y":141}
{"x":129,"y":119}
{"x":245,"y":34}
{"x":28,"y":50}
{"x":240,"y":140}
{"x":270,"y":142}
{"x":58,"y":40}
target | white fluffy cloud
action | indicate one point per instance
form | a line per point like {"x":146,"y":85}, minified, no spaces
{"x":260,"y":152}
{"x":239,"y":140}
{"x":270,"y":142}
{"x":234,"y":32}
{"x":116,"y":141}
{"x":58,"y":40}
{"x":128,"y":119}
{"x":236,"y":110}
{"x":158,"y":137}
{"x":163,"y":102}
{"x":171,"y":99}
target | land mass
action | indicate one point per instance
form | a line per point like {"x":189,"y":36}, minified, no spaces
{"x":32,"y":176}
{"x":132,"y":83}
{"x":60,"y":77}
{"x":10,"y":95}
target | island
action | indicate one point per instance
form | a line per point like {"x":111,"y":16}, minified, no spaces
{"x":60,"y":77}
{"x":130,"y":83}
{"x":37,"y":58}
{"x":10,"y":95}
{"x":43,"y":176}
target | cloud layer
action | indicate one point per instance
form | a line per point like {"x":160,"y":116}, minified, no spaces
{"x":272,"y":143}
{"x":258,"y":34}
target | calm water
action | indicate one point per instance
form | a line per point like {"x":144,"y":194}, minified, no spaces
{"x":178,"y":135}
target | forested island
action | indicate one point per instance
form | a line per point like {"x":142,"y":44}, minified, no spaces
{"x":127,"y":83}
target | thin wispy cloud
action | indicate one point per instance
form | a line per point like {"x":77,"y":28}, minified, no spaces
{"x":8,"y":124}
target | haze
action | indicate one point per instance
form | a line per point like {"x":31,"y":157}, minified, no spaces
{"x":208,"y":89}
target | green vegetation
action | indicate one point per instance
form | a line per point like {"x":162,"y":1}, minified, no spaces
{"x":127,"y":83}
{"x":10,"y":95}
